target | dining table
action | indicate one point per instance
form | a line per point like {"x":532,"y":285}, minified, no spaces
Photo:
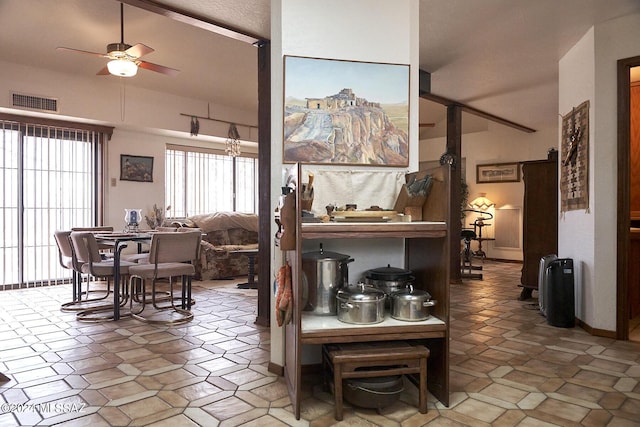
{"x":119,"y":241}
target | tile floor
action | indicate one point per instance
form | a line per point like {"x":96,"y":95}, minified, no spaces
{"x":508,"y":367}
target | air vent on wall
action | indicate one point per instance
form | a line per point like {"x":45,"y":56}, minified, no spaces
{"x":38,"y":103}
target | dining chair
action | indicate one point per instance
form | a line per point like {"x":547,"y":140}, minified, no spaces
{"x":171,"y":255}
{"x":97,"y":229}
{"x":65,"y":257}
{"x":89,"y":261}
{"x":143,"y":257}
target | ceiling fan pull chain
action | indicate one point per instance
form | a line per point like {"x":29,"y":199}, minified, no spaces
{"x":123,"y":93}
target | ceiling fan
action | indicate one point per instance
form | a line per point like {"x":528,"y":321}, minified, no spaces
{"x":124,"y":59}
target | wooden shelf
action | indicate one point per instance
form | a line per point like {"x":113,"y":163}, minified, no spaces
{"x":322,"y":329}
{"x":364,"y":230}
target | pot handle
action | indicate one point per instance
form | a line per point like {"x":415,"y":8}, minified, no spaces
{"x":429,"y":303}
{"x":347,"y":305}
{"x":347,"y":261}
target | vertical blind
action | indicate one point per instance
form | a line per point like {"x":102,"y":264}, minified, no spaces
{"x":48,"y":181}
{"x":200,"y":181}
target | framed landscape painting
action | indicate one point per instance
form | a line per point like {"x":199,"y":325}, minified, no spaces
{"x":345,"y":112}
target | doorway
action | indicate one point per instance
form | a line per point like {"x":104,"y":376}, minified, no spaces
{"x":628,"y":273}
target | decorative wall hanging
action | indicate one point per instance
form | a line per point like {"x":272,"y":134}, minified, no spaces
{"x":136,"y":168}
{"x":345,"y":112}
{"x":574,"y":166}
{"x":498,"y":172}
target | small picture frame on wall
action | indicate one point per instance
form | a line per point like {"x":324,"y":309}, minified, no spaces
{"x":136,"y":168}
{"x":498,"y":172}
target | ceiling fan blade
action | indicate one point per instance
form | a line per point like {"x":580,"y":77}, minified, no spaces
{"x":86,"y":52}
{"x":158,"y":68}
{"x":103,"y":71}
{"x":139,"y":50}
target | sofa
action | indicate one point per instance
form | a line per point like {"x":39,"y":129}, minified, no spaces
{"x":223,"y":233}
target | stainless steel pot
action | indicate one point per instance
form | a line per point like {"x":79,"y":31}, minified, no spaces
{"x":411,"y":305}
{"x":360,"y":304}
{"x":389,"y":279}
{"x":324,"y":273}
{"x":376,"y":392}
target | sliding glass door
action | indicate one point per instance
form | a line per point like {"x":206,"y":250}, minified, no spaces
{"x":48,"y":181}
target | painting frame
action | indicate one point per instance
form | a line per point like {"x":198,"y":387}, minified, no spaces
{"x":136,"y":168}
{"x":498,"y":173}
{"x":345,"y":112}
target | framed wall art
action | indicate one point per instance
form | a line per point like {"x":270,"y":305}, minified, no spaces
{"x":136,"y":168}
{"x":345,"y":112}
{"x":574,"y":163}
{"x":498,"y":172}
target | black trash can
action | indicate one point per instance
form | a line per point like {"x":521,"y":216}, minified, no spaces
{"x":559,"y":293}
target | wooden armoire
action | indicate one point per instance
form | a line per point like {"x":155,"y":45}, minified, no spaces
{"x":540,"y":218}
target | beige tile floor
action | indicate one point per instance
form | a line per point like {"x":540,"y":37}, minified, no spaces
{"x":508,"y":367}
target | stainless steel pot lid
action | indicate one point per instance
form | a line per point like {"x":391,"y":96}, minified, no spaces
{"x":361,"y":292}
{"x":323,"y":255}
{"x":411,"y":294}
{"x":389,"y":273}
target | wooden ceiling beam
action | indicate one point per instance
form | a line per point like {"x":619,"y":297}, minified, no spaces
{"x":449,"y":102}
{"x":197,"y":21}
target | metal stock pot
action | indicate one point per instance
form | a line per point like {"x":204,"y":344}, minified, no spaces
{"x":324,"y":273}
{"x":411,"y":305}
{"x":360,"y":304}
{"x":389,"y":279}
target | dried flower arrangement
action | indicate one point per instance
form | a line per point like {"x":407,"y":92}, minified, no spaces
{"x":156,"y":217}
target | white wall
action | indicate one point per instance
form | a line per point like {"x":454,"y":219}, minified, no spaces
{"x":576,"y":228}
{"x":385,"y":32}
{"x":113,"y":101}
{"x":144,"y":122}
{"x":498,"y":144}
{"x":589,"y":71}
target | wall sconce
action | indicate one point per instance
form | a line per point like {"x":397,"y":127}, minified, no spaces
{"x":481,"y":202}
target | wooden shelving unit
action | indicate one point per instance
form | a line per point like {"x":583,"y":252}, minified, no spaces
{"x":426,"y":254}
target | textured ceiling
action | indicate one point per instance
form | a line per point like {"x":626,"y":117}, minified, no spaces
{"x":499,"y":56}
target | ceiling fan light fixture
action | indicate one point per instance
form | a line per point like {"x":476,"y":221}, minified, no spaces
{"x":122,"y":67}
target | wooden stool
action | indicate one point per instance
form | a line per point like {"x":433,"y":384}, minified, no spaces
{"x":393,"y":358}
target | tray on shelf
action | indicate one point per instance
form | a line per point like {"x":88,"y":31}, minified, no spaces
{"x":363,"y":216}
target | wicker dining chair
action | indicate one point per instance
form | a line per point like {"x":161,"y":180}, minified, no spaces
{"x":171,"y":255}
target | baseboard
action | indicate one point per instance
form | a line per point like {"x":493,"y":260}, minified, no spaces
{"x":512,"y":261}
{"x":596,"y":332}
{"x":306,"y":369}
{"x":275,"y":369}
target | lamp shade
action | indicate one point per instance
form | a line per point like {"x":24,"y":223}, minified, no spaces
{"x":481,"y":202}
{"x":122,"y":67}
